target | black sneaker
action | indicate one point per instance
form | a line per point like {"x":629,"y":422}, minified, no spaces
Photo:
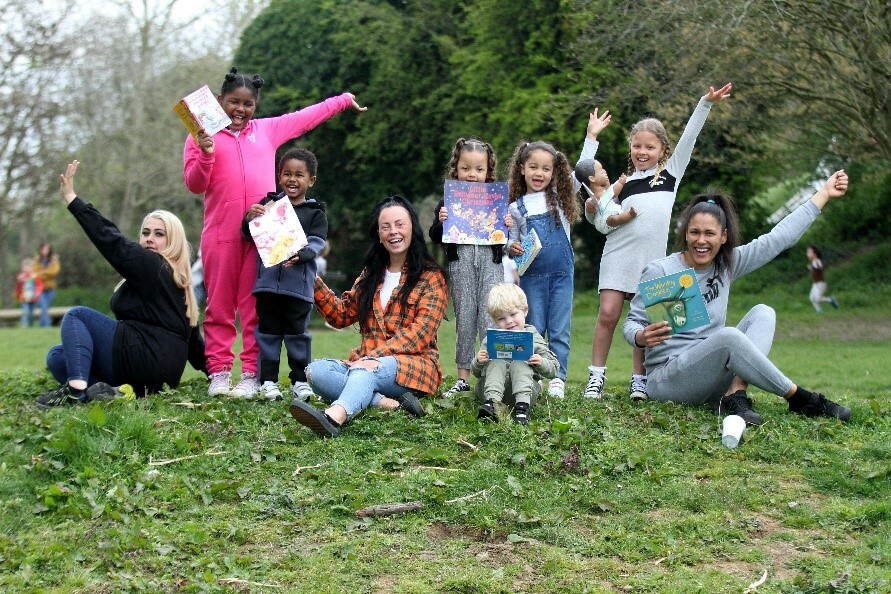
{"x":487,"y":411}
{"x":62,"y":395}
{"x":410,"y":404}
{"x":740,"y":404}
{"x":817,"y":405}
{"x":100,"y":392}
{"x":521,"y":413}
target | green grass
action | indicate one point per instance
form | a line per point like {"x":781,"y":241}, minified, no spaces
{"x":604,"y":496}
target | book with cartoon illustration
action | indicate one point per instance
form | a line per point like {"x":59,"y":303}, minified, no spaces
{"x":476,"y":213}
{"x":531,"y":245}
{"x":676,"y":299}
{"x":201,"y":110}
{"x":278,"y":233}
{"x":509,"y":345}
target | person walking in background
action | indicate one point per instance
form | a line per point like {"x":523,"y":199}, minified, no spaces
{"x":47,"y":267}
{"x":818,"y":279}
{"x":655,"y":172}
{"x":234,"y":169}
{"x":27,"y":290}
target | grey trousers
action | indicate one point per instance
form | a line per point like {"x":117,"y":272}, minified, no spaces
{"x":704,"y":371}
{"x":471,"y":277}
{"x":509,"y":382}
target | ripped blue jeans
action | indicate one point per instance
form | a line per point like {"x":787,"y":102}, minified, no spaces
{"x":353,"y":388}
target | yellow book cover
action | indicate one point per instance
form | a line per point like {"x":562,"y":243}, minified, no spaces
{"x":201,"y":110}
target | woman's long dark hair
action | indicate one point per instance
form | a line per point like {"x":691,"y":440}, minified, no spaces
{"x":377,"y":258}
{"x":721,"y":207}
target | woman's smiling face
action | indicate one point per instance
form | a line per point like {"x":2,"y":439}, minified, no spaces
{"x":704,"y":238}
{"x":394,"y":229}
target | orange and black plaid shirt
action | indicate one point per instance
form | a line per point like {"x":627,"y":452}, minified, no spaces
{"x":406,"y":332}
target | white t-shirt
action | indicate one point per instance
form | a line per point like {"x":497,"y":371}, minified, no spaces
{"x":510,"y":268}
{"x":391,"y":281}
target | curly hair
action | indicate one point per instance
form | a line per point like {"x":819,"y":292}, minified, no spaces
{"x":299,"y":154}
{"x":559,"y":195}
{"x":466,"y":145}
{"x":655,"y":127}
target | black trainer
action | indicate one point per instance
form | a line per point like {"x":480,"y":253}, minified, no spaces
{"x":410,"y":404}
{"x":62,"y":395}
{"x":740,"y":404}
{"x":487,"y":411}
{"x":101,"y":392}
{"x":521,"y":413}
{"x":817,"y":405}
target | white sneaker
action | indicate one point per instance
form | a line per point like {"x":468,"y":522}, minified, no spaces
{"x":302,"y":391}
{"x":219,"y":384}
{"x":247,"y":386}
{"x":594,"y":388}
{"x":556,"y":388}
{"x":270,"y":391}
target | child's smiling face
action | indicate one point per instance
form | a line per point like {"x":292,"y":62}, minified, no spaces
{"x":295,"y":179}
{"x":515,"y":319}
{"x":538,"y":170}
{"x":646,"y":150}
{"x":239,"y":104}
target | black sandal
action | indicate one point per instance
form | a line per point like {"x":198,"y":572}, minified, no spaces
{"x":316,"y":420}
{"x":487,"y":411}
{"x":521,"y":413}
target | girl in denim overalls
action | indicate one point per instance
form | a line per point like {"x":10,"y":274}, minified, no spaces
{"x":541,"y":190}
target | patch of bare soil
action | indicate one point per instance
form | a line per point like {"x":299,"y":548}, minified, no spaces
{"x":842,"y":329}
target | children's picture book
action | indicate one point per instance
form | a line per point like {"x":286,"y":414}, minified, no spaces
{"x":531,"y":245}
{"x":676,"y":299}
{"x":476,"y":212}
{"x":278,"y":233}
{"x":202,"y":110}
{"x":509,"y":345}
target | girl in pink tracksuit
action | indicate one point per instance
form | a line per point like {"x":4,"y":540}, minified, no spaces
{"x":234,"y":169}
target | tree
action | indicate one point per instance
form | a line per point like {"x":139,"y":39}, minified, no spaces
{"x":32,"y":50}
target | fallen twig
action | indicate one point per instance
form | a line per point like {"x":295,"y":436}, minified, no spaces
{"x":468,"y":445}
{"x":388,"y":509}
{"x":300,"y":469}
{"x":471,"y":496}
{"x":439,"y":468}
{"x":246,"y":583}
{"x":754,"y":585}
{"x":188,"y":404}
{"x":172,"y":460}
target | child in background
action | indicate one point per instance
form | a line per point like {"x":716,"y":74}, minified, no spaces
{"x":655,"y":173}
{"x":473,"y":269}
{"x":515,"y":381}
{"x":27,"y":290}
{"x":542,"y":190}
{"x":47,"y":267}
{"x":234,"y":169}
{"x":284,"y":292}
{"x":601,"y":208}
{"x":818,"y":279}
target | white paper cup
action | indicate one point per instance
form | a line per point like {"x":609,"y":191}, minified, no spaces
{"x":734,"y":426}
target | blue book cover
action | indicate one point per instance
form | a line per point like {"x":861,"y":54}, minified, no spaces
{"x":509,"y":345}
{"x":676,"y":299}
{"x":531,"y":245}
{"x":476,"y":213}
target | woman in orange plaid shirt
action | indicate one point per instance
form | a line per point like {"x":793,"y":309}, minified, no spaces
{"x":399,"y":300}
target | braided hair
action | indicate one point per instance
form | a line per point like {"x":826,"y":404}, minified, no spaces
{"x":655,"y":127}
{"x":466,"y":145}
{"x":234,"y":81}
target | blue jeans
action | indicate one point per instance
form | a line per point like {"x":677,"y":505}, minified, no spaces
{"x":86,"y":352}
{"x":353,"y":388}
{"x":548,"y":284}
{"x":28,"y":309}
{"x":46,"y":299}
